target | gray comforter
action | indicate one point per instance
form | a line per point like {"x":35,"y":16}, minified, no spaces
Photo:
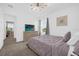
{"x":48,"y":45}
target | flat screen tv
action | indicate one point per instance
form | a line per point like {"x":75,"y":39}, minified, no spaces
{"x":29,"y":27}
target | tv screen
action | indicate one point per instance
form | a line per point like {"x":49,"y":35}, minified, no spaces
{"x":29,"y":27}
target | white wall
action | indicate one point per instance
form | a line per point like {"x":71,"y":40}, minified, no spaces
{"x":2,"y":31}
{"x":73,"y":21}
{"x":19,"y":30}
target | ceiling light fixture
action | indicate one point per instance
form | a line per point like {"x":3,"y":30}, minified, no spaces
{"x":9,"y":5}
{"x":38,"y":6}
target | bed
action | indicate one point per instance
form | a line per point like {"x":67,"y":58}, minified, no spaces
{"x":48,"y":45}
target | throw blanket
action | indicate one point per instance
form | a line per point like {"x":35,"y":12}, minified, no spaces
{"x":60,"y":49}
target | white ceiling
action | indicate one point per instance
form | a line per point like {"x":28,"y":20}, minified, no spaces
{"x":25,"y":10}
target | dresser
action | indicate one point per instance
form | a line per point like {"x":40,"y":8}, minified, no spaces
{"x":29,"y":34}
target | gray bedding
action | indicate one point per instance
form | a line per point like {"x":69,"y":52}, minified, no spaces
{"x":76,"y":49}
{"x":48,"y":45}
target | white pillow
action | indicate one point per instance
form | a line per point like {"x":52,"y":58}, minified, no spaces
{"x":73,"y":39}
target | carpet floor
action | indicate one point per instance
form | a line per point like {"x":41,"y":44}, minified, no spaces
{"x":17,"y":49}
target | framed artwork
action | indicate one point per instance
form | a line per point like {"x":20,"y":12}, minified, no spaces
{"x":62,"y":21}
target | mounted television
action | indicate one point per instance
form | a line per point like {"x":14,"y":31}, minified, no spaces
{"x":29,"y":27}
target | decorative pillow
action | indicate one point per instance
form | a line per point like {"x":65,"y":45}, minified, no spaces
{"x":67,"y":37}
{"x":73,"y":39}
{"x":76,"y":49}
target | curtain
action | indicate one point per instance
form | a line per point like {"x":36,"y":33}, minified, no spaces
{"x":47,"y":27}
{"x":39,"y":27}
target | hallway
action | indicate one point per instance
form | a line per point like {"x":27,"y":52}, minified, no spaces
{"x":9,"y":38}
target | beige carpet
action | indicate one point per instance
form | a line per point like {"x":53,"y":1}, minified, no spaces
{"x":17,"y":49}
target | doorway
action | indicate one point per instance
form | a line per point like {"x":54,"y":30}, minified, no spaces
{"x":9,"y":29}
{"x":9,"y":34}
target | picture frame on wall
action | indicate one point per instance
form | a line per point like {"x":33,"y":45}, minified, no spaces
{"x":62,"y":21}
